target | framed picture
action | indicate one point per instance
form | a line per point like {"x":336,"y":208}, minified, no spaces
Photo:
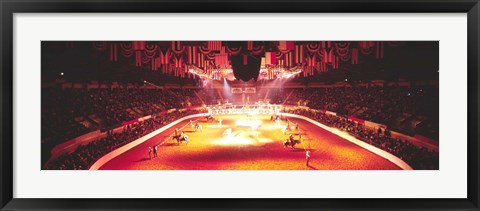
{"x":239,"y":105}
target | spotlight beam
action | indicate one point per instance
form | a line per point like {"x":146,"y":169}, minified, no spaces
{"x":146,"y":82}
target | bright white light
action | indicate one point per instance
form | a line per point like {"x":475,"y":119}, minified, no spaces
{"x":249,"y":123}
{"x":240,"y":137}
{"x":61,"y":73}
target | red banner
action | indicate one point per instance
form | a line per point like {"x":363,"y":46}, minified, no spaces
{"x":214,"y":45}
{"x":270,"y":58}
{"x":299,"y":54}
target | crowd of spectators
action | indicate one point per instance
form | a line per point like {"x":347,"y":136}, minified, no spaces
{"x":277,"y":96}
{"x":209,"y":96}
{"x":401,"y":108}
{"x":86,"y":155}
{"x":111,"y":107}
{"x":69,"y":113}
{"x":417,"y":157}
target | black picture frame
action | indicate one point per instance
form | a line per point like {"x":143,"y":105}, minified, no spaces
{"x":9,"y":7}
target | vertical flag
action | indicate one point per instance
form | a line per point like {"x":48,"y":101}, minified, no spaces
{"x":335,"y":61}
{"x":311,"y":60}
{"x":113,"y":52}
{"x":270,"y":58}
{"x":192,"y":54}
{"x":199,"y":61}
{"x":222,"y":58}
{"x":331,"y":57}
{"x":177,"y":46}
{"x":153,"y":64}
{"x":326,"y":44}
{"x":249,"y":45}
{"x":299,"y":54}
{"x":289,"y":59}
{"x":178,"y":61}
{"x":214,"y":45}
{"x":164,"y":55}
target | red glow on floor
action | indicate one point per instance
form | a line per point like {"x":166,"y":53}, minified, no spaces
{"x":256,"y":150}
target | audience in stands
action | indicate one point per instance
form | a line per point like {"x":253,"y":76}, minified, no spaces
{"x":401,"y":108}
{"x":85,"y":155}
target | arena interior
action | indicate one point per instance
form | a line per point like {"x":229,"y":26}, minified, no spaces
{"x":240,"y":105}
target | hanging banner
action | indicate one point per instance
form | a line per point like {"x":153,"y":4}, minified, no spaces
{"x":289,"y":59}
{"x":178,"y":60}
{"x":192,"y":54}
{"x":312,"y":60}
{"x":177,"y":47}
{"x":113,"y":52}
{"x":299,"y":54}
{"x":249,"y":45}
{"x":164,"y":54}
{"x":214,"y":45}
{"x":270,"y":58}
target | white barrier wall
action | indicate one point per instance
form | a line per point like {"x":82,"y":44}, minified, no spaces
{"x":392,"y":158}
{"x":106,"y":158}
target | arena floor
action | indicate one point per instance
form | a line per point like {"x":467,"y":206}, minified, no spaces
{"x":247,"y":149}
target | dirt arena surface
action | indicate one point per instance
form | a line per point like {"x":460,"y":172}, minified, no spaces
{"x":247,"y":149}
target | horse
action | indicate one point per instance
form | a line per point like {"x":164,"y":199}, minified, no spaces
{"x":180,"y":138}
{"x":274,"y":117}
{"x":198,"y":127}
{"x":209,"y":118}
{"x":290,"y":143}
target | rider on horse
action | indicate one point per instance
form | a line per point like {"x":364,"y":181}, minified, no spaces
{"x":182,"y":137}
{"x":198,"y":126}
{"x":291,"y":141}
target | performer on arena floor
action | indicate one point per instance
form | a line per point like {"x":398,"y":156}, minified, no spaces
{"x":307,"y":157}
{"x":150,"y":152}
{"x":198,"y":126}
